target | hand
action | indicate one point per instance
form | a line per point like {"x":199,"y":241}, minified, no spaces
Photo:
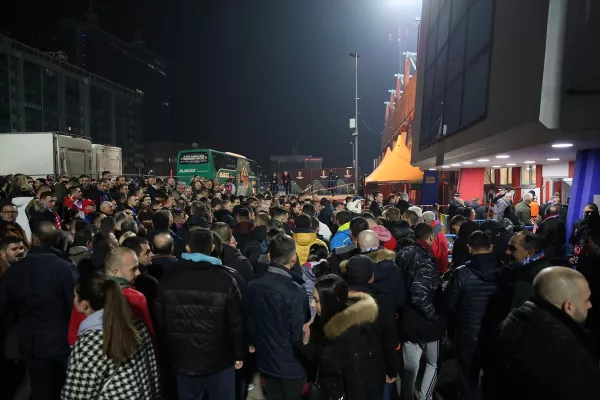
{"x":571,"y":260}
{"x":390,"y":380}
{"x":239,"y":364}
{"x":306,"y":333}
{"x":251,"y":349}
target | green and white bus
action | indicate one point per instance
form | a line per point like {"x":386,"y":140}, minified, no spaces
{"x":213,"y":164}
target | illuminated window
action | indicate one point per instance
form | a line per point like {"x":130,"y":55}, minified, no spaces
{"x":505,"y":176}
{"x":528,"y":175}
{"x":490,"y":177}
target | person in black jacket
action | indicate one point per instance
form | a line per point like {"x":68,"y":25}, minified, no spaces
{"x":466,"y":298}
{"x":38,"y":291}
{"x":161,"y":222}
{"x":400,"y":225}
{"x":197,"y":220}
{"x":163,"y":260}
{"x":200,"y":322}
{"x":422,"y":326}
{"x":278,"y":310}
{"x":554,"y":233}
{"x":344,"y":343}
{"x":377,"y":204}
{"x":463,"y":229}
{"x":527,"y":260}
{"x":340,"y":254}
{"x":543,"y":352}
{"x":230,"y":254}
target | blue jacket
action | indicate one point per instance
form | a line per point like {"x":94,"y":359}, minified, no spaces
{"x":38,"y":291}
{"x":341,"y":237}
{"x":277,"y":308}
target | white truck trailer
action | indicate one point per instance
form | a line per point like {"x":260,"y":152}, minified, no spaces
{"x":106,"y":158}
{"x":38,"y":154}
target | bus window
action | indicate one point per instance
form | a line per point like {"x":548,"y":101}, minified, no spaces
{"x":193,"y":158}
{"x":223,"y":161}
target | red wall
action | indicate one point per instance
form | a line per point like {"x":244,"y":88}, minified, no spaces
{"x":470,"y":184}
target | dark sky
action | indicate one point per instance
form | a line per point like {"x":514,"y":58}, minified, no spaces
{"x":254,"y":76}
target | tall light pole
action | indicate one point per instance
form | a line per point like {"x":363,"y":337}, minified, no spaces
{"x":355,"y":134}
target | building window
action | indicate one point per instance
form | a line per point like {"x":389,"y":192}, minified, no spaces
{"x":505,"y":176}
{"x":490,"y":177}
{"x":528,"y":175}
{"x":456,"y":66}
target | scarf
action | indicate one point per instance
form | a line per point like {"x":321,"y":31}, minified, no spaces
{"x":56,"y":218}
{"x":531,"y":259}
{"x":198,"y":257}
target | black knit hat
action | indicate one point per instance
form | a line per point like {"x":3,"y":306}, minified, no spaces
{"x":360,"y":269}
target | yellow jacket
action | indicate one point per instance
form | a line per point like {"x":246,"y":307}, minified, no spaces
{"x":303,"y":242}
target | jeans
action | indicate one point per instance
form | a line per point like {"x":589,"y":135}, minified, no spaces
{"x":411,"y":354}
{"x":284,"y":389}
{"x":219,"y":386}
{"x":47,"y":377}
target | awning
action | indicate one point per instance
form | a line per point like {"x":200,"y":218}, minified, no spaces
{"x":395,"y":167}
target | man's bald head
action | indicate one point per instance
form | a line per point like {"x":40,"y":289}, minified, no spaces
{"x":564,"y":288}
{"x":367,"y":240}
{"x":163,"y":244}
{"x":45,"y":234}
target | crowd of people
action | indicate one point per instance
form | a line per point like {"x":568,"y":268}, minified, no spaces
{"x":150,"y":289}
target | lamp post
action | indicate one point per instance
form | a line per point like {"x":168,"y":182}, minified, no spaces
{"x":355,"y":134}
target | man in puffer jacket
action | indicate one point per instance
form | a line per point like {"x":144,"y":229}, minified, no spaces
{"x":467,"y":297}
{"x":342,"y":236}
{"x":422,"y":326}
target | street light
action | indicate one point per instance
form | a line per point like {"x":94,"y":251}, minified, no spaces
{"x":355,"y":134}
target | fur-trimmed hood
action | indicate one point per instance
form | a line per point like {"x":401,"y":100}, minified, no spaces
{"x":376,"y":256}
{"x":362,"y":309}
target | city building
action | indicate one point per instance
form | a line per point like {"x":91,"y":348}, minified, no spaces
{"x":508,"y":94}
{"x":41,"y":92}
{"x":161,"y":157}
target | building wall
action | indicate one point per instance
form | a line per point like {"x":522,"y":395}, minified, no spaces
{"x":42,"y":93}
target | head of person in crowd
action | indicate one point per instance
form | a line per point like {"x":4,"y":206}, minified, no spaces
{"x":84,"y":181}
{"x":12,"y":250}
{"x":145,"y":217}
{"x":120,"y":337}
{"x":187,"y":192}
{"x":424,"y":233}
{"x":330,"y":296}
{"x":508,"y":197}
{"x":75,"y":193}
{"x":163,"y":244}
{"x":279,"y":214}
{"x":217,"y":250}
{"x":142,"y":249}
{"x":590,"y":212}
{"x":566,"y":289}
{"x":480,"y":243}
{"x":360,"y":271}
{"x":48,"y":199}
{"x":102,"y":185}
{"x":200,"y":241}
{"x":282,"y":251}
{"x":242,"y":215}
{"x":84,"y":238}
{"x":129,"y":225}
{"x":162,"y":220}
{"x":106,"y":208}
{"x":45,"y":234}
{"x":368,"y":241}
{"x":527,"y":198}
{"x":309,"y":209}
{"x":469,"y":213}
{"x":108,"y":224}
{"x":392,"y":214}
{"x":146,"y":201}
{"x":287,"y":205}
{"x":253,"y":202}
{"x":261,"y":219}
{"x":343,"y":217}
{"x":456,"y":222}
{"x":9,"y":213}
{"x":552,"y":210}
{"x":410,"y":217}
{"x":179,"y":218}
{"x":303,"y":223}
{"x":224,"y":231}
{"x":357,"y":225}
{"x":524,"y":245}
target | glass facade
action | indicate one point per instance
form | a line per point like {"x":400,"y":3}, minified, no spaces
{"x":32,"y":79}
{"x":73,"y":107}
{"x":100,"y":115}
{"x":4,"y":94}
{"x":50,"y":89}
{"x":456,"y":66}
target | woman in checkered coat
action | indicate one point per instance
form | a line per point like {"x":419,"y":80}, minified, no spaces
{"x":113,"y":357}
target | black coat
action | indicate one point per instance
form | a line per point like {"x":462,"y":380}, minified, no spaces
{"x":469,"y":292}
{"x":554,"y":232}
{"x":38,"y":291}
{"x":241,"y":232}
{"x":420,"y":321}
{"x":161,"y":266}
{"x":224,"y":215}
{"x":375,"y":209}
{"x":194,"y":221}
{"x":97,"y":197}
{"x":234,"y":259}
{"x":545,"y":355}
{"x":200,"y":320}
{"x":256,"y":244}
{"x":460,"y":251}
{"x":400,"y":230}
{"x":340,"y":255}
{"x":277,"y":308}
{"x":521,"y":281}
{"x":347,"y":352}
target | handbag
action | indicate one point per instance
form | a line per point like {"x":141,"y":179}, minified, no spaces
{"x":312,"y":390}
{"x":106,"y":381}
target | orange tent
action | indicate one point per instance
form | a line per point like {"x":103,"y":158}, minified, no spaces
{"x":395,"y":166}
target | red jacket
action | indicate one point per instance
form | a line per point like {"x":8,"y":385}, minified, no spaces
{"x":440,"y":247}
{"x":139,"y":307}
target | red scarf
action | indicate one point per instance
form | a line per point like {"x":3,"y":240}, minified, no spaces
{"x":56,"y":219}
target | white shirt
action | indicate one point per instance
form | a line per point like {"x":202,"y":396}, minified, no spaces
{"x":324,"y":231}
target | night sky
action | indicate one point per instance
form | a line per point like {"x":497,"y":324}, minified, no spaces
{"x":254,"y":77}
